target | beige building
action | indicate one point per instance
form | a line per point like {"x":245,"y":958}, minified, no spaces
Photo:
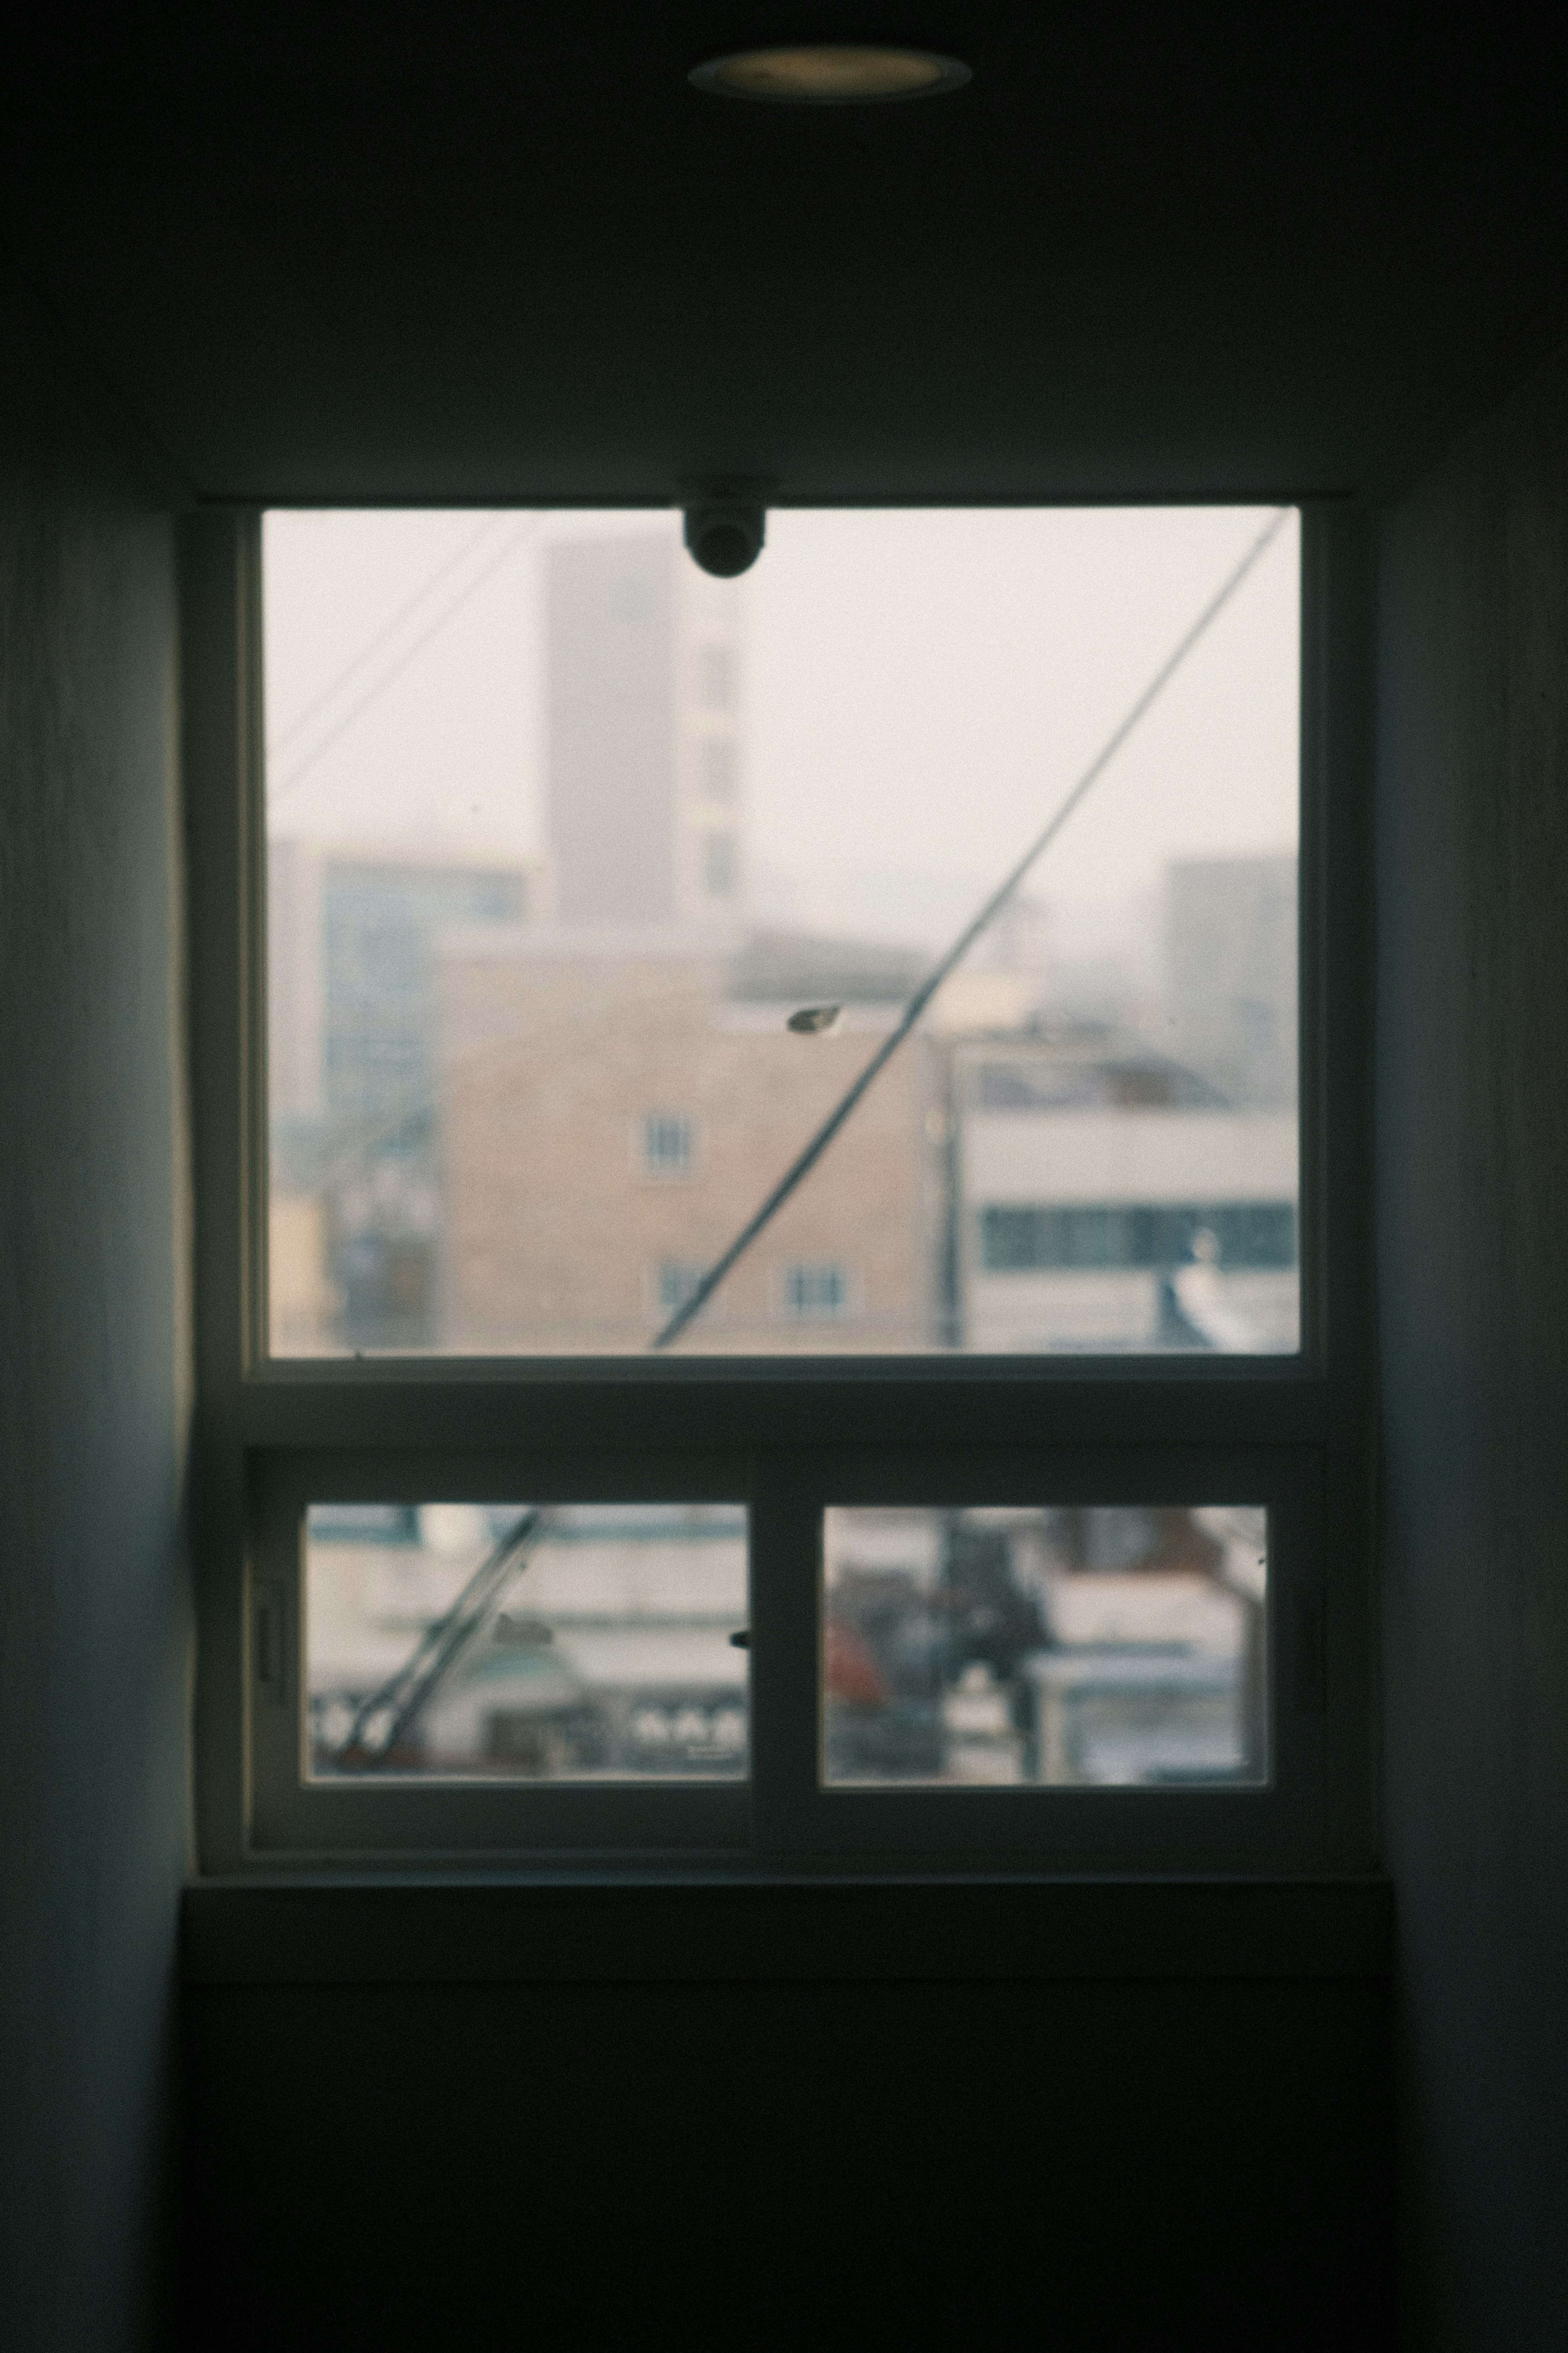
{"x":646,"y":773}
{"x":612,"y":1112}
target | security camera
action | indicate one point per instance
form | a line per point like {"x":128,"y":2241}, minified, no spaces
{"x":725,"y":535}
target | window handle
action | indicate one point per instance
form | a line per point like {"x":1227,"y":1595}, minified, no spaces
{"x":1311,"y":1677}
{"x":268,"y":1624}
{"x":741,"y":1641}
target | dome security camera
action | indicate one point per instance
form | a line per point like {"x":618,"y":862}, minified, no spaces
{"x":725,"y":535}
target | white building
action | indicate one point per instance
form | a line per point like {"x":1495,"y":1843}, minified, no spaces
{"x":1111,"y":1202}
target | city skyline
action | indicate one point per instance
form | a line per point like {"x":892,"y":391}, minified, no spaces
{"x":534,"y":1057}
{"x":865,"y":728}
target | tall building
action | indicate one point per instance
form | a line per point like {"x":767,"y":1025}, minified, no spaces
{"x":646,"y":782}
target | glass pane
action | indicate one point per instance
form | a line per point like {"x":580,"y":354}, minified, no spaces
{"x":526,"y":1642}
{"x":594,"y":884}
{"x":1103,"y":1646}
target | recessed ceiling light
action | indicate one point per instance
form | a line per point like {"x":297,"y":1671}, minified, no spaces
{"x":830,"y":74}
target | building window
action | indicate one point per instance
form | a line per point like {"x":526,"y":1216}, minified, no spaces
{"x":667,"y":1144}
{"x":718,"y":766}
{"x":720,"y":865}
{"x":1229,"y":1234}
{"x":677,"y":1282}
{"x":816,"y":1291}
{"x":717,"y":674}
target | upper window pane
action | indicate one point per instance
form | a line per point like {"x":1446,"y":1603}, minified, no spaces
{"x":593,"y":883}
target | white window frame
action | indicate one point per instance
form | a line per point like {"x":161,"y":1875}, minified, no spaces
{"x":788,"y":1436}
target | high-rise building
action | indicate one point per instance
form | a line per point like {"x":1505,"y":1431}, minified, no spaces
{"x":646,"y":777}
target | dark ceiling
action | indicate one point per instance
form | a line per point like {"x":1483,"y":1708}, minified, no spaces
{"x":476,"y":252}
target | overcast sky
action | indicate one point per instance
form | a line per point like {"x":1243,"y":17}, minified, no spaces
{"x":922,"y":688}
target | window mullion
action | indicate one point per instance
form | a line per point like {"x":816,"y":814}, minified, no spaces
{"x":786,"y":1525}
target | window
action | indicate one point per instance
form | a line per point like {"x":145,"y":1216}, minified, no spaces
{"x":677,"y":1283}
{"x":969,"y":1470}
{"x":667,"y":1144}
{"x":1231,"y":1233}
{"x":716,"y":670}
{"x":1059,"y":1648}
{"x":719,"y":769}
{"x":620,"y":1665}
{"x":815,"y":1289}
{"x":502,"y":923}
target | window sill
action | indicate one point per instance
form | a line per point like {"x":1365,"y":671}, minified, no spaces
{"x":387,"y":1931}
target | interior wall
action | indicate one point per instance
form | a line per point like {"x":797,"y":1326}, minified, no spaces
{"x":93,"y":1396}
{"x":1095,"y":2163}
{"x":1473,"y":1248}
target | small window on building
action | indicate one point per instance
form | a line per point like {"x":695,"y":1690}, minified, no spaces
{"x":667,"y":1144}
{"x":716,"y":670}
{"x":1230,"y":1234}
{"x":718,"y":766}
{"x":720,"y":865}
{"x":816,"y":1291}
{"x":677,"y":1283}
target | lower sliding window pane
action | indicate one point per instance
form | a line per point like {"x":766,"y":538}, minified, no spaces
{"x":533,"y":1643}
{"x":1105,"y":1645}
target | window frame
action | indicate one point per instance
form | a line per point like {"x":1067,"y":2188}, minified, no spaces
{"x":804,"y":1427}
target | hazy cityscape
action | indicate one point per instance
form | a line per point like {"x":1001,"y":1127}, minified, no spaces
{"x":522,"y":1099}
{"x":1098,"y":1647}
{"x":530,"y":1074}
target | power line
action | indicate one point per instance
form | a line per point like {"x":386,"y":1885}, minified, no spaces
{"x":383,"y":1721}
{"x":368,"y":652}
{"x":807,"y":1160}
{"x":286,"y":785}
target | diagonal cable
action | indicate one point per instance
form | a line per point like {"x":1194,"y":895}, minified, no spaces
{"x":407,"y":1692}
{"x":381,"y":637}
{"x":805,"y":1162}
{"x":285,"y":784}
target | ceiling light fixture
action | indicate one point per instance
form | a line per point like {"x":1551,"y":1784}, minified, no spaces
{"x":829,"y":74}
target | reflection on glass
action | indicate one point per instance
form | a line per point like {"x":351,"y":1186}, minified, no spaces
{"x":565,"y":836}
{"x":1103,"y":1646}
{"x":565,"y":1643}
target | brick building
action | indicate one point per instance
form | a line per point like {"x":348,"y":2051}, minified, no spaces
{"x":617,"y":1104}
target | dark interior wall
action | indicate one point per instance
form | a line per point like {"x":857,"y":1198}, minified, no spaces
{"x":1473,"y":1243}
{"x":93,"y":1628}
{"x":1097,"y":2164}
